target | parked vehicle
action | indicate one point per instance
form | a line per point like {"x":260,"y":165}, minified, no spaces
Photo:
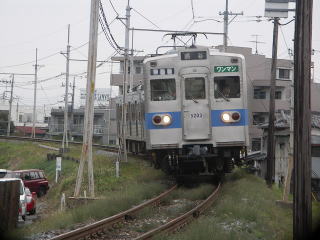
{"x":22,"y":197}
{"x":23,"y":201}
{"x":35,"y":180}
{"x":4,"y":173}
{"x":31,"y":201}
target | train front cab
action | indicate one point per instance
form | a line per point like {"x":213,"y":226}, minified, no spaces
{"x":207,"y":129}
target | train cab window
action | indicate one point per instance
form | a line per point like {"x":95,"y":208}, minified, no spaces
{"x":163,"y":89}
{"x":227,"y":87}
{"x":195,"y":88}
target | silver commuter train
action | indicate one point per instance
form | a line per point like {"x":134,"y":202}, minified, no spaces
{"x":195,"y":111}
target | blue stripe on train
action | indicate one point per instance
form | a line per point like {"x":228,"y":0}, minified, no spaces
{"x":176,"y":120}
{"x":215,"y":119}
{"x":217,"y":122}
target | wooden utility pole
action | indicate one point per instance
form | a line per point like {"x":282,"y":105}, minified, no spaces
{"x":271,"y":140}
{"x":9,"y":199}
{"x":302,"y":121}
{"x":86,"y":154}
{"x":10,"y":106}
{"x":34,"y":116}
{"x":66,"y":108}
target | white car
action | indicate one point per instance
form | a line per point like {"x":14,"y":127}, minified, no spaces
{"x":4,"y":173}
{"x":23,"y":197}
{"x":23,"y":201}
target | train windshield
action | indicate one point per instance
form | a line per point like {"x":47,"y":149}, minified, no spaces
{"x":195,"y":88}
{"x":163,"y":89}
{"x":227,"y":87}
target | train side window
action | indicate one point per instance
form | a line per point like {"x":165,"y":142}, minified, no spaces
{"x":227,"y":87}
{"x":163,"y":89}
{"x":195,"y":88}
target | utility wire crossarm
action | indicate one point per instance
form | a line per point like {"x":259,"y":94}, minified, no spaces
{"x":226,"y":14}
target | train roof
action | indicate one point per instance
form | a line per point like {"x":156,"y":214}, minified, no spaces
{"x":174,"y":53}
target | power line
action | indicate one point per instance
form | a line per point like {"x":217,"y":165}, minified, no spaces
{"x":285,"y":41}
{"x":145,"y":18}
{"x":114,"y":9}
{"x":106,"y":29}
{"x":22,"y":64}
{"x":192,"y":8}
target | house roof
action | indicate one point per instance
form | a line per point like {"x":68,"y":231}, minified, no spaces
{"x":283,"y":121}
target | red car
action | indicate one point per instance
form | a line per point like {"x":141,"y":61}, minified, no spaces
{"x":31,"y":201}
{"x":35,"y":180}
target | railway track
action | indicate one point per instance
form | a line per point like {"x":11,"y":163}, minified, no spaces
{"x":95,"y":229}
{"x":107,"y":222}
{"x":42,"y":140}
{"x":183,"y":219}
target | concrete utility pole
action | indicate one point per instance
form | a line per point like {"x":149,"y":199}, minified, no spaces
{"x":226,"y":23}
{"x":125,"y":82}
{"x":86,"y":154}
{"x":66,"y":110}
{"x":33,"y":134}
{"x":72,"y":107}
{"x":11,"y":96}
{"x":271,"y":143}
{"x":10,"y":106}
{"x":302,"y":121}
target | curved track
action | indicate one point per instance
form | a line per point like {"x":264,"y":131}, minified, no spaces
{"x":104,"y":223}
{"x":171,"y":226}
{"x":183,"y":219}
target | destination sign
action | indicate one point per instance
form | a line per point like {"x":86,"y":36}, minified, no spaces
{"x":224,"y":69}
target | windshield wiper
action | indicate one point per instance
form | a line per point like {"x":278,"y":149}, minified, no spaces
{"x":223,"y":96}
{"x":193,"y":99}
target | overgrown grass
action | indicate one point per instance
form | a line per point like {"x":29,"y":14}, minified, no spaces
{"x":245,"y":209}
{"x":137,"y":181}
{"x":196,"y":193}
{"x":114,"y":203}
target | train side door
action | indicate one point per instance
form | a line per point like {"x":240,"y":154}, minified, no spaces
{"x":195,"y":107}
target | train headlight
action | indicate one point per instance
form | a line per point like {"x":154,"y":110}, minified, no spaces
{"x":230,"y":117}
{"x":162,"y":119}
{"x":166,"y":120}
{"x":225,"y":117}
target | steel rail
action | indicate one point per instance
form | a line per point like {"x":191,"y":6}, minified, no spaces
{"x":183,"y":219}
{"x":102,"y":224}
{"x":29,"y":139}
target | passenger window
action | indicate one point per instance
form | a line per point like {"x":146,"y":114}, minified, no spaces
{"x":195,"y":88}
{"x":41,"y":174}
{"x":36,"y":174}
{"x":163,"y":89}
{"x":227,"y":87}
{"x":26,"y":176}
{"x":33,"y":175}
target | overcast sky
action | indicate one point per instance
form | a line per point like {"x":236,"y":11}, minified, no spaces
{"x":27,"y":25}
